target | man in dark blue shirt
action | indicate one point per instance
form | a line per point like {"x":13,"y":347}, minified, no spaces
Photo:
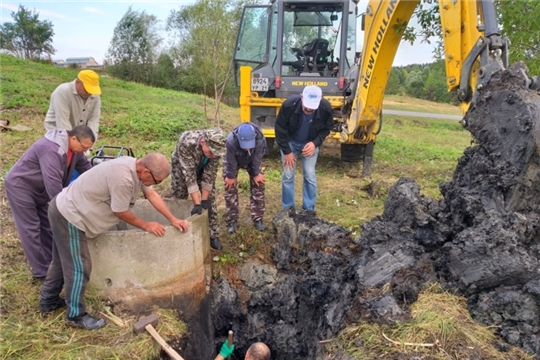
{"x":302,"y":124}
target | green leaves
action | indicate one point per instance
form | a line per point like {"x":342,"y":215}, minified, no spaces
{"x":134,"y":47}
{"x":205,"y":33}
{"x":520,"y":21}
{"x":27,"y":37}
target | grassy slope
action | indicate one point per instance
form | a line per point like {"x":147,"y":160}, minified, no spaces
{"x":412,"y":104}
{"x":149,"y":119}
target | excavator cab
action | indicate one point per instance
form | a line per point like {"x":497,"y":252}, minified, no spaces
{"x":291,"y":44}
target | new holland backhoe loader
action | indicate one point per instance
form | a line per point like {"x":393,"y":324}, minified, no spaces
{"x":288,"y":44}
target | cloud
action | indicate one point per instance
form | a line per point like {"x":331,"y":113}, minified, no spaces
{"x":45,"y":13}
{"x":94,"y":11}
{"x":11,"y":7}
{"x":51,"y":14}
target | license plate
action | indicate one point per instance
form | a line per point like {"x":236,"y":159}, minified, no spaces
{"x":259,"y":84}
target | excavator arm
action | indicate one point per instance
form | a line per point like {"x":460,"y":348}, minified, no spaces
{"x":473,"y":47}
{"x":269,"y":72}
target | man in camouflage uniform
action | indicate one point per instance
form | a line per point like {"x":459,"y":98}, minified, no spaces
{"x":195,"y":163}
{"x":246,"y":146}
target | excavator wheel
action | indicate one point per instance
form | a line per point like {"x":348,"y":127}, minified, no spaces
{"x":352,"y":153}
{"x":355,"y":153}
{"x":270,"y":144}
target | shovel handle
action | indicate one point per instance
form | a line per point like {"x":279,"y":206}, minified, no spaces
{"x":230,"y":339}
{"x":169,"y":350}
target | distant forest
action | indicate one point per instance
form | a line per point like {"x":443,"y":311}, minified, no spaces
{"x":422,"y":81}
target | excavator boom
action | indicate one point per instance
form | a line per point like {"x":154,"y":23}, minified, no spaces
{"x":473,"y":49}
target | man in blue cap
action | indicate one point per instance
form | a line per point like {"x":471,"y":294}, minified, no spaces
{"x":246,"y":146}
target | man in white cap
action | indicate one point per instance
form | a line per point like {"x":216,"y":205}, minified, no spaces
{"x":302,"y":124}
{"x":246,"y":147}
{"x":76,"y":103}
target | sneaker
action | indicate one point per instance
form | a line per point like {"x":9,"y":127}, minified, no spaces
{"x":232,"y":227}
{"x":85,"y":322}
{"x":215,"y":243}
{"x":259,"y":225}
{"x":47,"y":308}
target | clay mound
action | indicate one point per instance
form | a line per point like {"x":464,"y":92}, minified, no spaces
{"x":482,"y":240}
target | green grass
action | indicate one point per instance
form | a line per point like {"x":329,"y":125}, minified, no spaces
{"x":150,"y":119}
{"x":407,"y":103}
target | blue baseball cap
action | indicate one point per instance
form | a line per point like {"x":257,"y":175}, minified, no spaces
{"x":246,"y":136}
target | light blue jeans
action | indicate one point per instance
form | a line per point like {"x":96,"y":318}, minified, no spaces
{"x":309,"y":192}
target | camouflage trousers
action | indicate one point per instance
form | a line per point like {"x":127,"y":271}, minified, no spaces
{"x":179,"y":191}
{"x":256,"y":202}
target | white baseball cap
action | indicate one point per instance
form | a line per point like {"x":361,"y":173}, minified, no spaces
{"x":311,"y":97}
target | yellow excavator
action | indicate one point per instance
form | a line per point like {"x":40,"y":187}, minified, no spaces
{"x":288,"y":44}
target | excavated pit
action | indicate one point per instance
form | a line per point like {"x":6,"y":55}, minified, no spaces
{"x":481,"y":240}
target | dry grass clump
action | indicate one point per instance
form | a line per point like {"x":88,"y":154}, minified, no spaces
{"x":440,"y":327}
{"x":29,"y":335}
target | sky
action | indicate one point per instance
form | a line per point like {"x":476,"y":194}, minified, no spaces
{"x":85,"y":28}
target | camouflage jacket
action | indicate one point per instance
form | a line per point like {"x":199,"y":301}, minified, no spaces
{"x":190,"y":154}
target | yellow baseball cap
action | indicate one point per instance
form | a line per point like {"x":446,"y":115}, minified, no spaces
{"x":90,"y":80}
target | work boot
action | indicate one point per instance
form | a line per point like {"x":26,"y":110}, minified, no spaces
{"x":50,"y":307}
{"x":86,"y":321}
{"x":259,"y":225}
{"x":215,"y":243}
{"x":232,"y":227}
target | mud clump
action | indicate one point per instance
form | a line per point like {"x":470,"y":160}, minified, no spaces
{"x":481,"y":240}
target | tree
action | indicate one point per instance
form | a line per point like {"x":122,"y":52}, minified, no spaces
{"x":206,"y":33}
{"x":414,"y":84}
{"x":393,"y":87}
{"x":435,"y":88}
{"x":519,"y":21}
{"x":27,"y":37}
{"x":165,"y":74}
{"x":134,"y":47}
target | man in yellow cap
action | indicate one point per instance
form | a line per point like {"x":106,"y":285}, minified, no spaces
{"x":76,"y":103}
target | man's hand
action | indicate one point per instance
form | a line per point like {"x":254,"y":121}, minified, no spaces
{"x":197,"y":209}
{"x":308,"y":149}
{"x":205,"y":204}
{"x":230,"y":183}
{"x":226,"y":351}
{"x":259,"y":179}
{"x":181,"y":225}
{"x":288,"y":161}
{"x":155,"y":228}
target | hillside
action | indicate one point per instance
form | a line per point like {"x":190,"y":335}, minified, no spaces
{"x":157,"y":116}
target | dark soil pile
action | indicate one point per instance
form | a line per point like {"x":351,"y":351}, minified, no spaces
{"x":481,"y":240}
